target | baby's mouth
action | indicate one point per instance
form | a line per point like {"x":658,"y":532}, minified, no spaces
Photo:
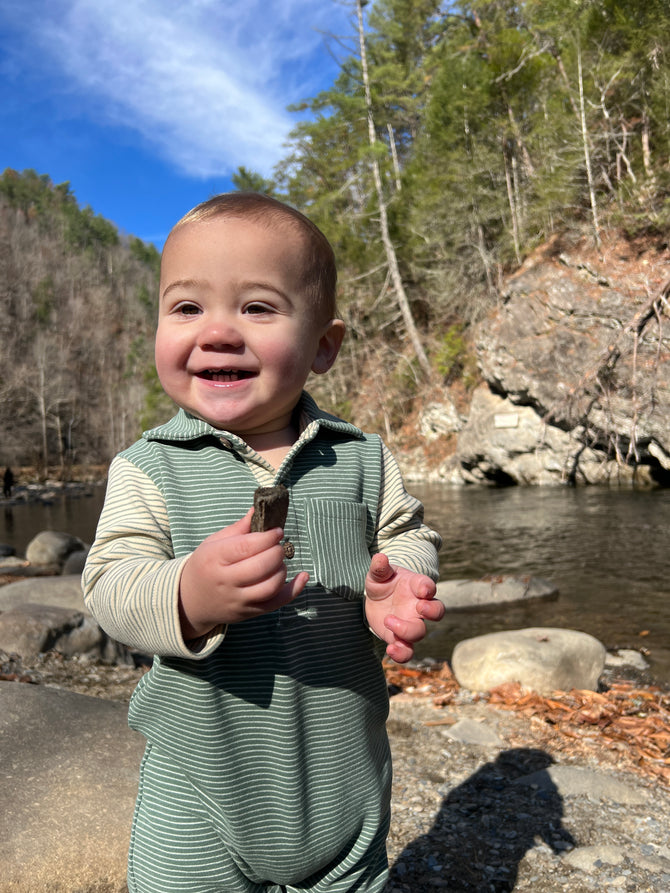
{"x":224,"y":375}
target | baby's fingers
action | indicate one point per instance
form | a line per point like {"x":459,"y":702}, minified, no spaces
{"x":400,"y":651}
{"x":250,"y":547}
{"x":407,"y":630}
{"x":430,"y":609}
{"x":423,"y":587}
{"x":279,"y":598}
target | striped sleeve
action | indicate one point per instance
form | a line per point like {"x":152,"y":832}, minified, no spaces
{"x":401,"y":534}
{"x":131,"y":578}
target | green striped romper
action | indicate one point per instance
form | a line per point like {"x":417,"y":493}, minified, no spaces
{"x":267,"y":764}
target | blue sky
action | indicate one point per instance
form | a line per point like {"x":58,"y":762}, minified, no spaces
{"x":146,"y":107}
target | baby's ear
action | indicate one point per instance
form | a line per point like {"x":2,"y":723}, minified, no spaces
{"x":329,"y":346}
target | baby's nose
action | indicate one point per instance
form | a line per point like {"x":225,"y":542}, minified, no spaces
{"x":218,"y":333}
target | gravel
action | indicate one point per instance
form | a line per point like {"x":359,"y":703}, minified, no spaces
{"x":463,"y":822}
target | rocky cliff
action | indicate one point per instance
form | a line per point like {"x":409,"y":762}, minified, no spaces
{"x":576,"y":363}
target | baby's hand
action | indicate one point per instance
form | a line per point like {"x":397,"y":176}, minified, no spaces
{"x":398,"y":601}
{"x":234,"y":575}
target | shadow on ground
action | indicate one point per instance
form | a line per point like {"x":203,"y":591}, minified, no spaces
{"x":484,"y":828}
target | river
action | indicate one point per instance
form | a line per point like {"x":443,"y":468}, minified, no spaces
{"x":606,"y":550}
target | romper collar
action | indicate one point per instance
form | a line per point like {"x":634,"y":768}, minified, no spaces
{"x":184,"y":427}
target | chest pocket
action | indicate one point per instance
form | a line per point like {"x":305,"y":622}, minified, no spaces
{"x":338,"y":543}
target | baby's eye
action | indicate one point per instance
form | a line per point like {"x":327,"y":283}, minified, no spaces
{"x":187,"y":309}
{"x":257,"y":307}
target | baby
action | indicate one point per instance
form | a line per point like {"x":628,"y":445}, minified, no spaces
{"x":267,"y":765}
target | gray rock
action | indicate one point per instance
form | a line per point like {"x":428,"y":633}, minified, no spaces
{"x":70,"y":769}
{"x":588,"y":858}
{"x":626,"y":657}
{"x":505,"y":442}
{"x":438,"y":419}
{"x":51,"y":548}
{"x":591,"y":858}
{"x":542,"y":659}
{"x":62,"y":592}
{"x":31,"y":629}
{"x":9,"y":563}
{"x":74,"y":563}
{"x":651,"y":858}
{"x":469,"y":731}
{"x":582,"y":383}
{"x":48,"y":613}
{"x":572,"y":781}
{"x":457,"y":595}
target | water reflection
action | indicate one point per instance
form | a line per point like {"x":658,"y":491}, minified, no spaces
{"x":20,"y":522}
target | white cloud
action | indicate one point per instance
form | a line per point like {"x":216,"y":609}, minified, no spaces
{"x":205,"y":82}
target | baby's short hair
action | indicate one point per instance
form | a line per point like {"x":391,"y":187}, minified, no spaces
{"x":320,"y":271}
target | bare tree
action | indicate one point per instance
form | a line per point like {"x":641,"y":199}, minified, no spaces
{"x":587,"y":152}
{"x":391,"y":258}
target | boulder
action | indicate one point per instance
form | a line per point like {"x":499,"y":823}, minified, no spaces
{"x":489,"y":591}
{"x":74,"y":563}
{"x":469,"y":731}
{"x":575,"y":781}
{"x":574,"y":358}
{"x":439,"y":419}
{"x":70,"y":771}
{"x":541,"y":659}
{"x":9,"y":564}
{"x":62,"y":592}
{"x":509,"y":443}
{"x":48,"y":614}
{"x":31,"y":629}
{"x":51,"y":548}
{"x":626,"y":657}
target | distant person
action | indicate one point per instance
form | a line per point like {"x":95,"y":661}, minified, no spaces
{"x":7,"y":483}
{"x":267,"y":765}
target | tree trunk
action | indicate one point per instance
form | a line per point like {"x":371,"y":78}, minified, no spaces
{"x":513,"y":208}
{"x":394,"y":156}
{"x":646,"y":149}
{"x":587,"y":153}
{"x":41,"y":402}
{"x":391,"y":257}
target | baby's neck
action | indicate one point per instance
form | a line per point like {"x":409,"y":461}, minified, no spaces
{"x":275,"y":446}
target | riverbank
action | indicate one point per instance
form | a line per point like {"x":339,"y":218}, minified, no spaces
{"x":31,"y":492}
{"x":626,"y":726}
{"x":600,"y":548}
{"x":502,"y":792}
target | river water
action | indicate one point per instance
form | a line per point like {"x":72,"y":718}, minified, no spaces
{"x":606,"y":550}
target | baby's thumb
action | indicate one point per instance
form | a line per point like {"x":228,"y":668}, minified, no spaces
{"x":380,"y":569}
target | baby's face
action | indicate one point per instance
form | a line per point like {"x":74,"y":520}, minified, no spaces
{"x":236,"y":335}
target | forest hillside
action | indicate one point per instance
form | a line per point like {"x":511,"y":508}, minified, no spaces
{"x":76,"y":328}
{"x":455,"y":145}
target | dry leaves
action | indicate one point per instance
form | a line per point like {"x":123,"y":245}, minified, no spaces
{"x":627,"y":724}
{"x":631,"y":722}
{"x":437,"y":681}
